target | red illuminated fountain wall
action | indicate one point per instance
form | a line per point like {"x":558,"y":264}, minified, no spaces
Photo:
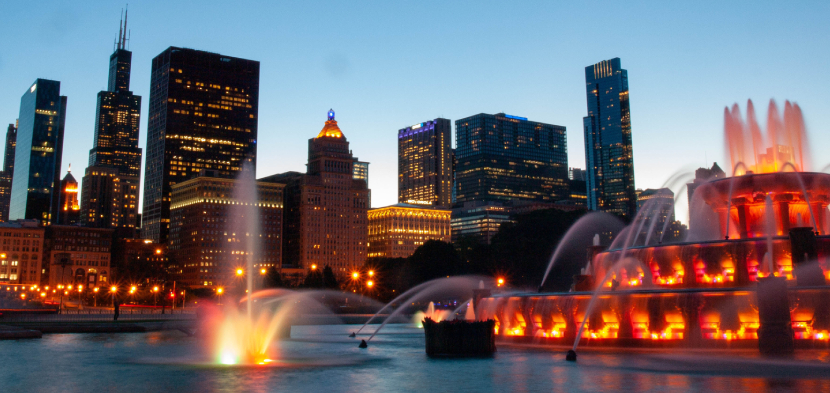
{"x":703,"y":292}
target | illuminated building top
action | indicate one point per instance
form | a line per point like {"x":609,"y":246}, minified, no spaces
{"x":330,"y":130}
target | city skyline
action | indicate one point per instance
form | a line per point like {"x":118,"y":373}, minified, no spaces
{"x":352,"y":75}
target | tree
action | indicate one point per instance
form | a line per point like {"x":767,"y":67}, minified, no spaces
{"x":329,"y":279}
{"x":273,"y":279}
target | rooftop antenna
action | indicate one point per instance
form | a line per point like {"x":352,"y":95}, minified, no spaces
{"x":123,"y":42}
{"x":120,"y":29}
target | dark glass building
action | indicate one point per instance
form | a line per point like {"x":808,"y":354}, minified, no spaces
{"x":37,"y":166}
{"x":7,"y":173}
{"x":425,"y":163}
{"x":203,"y":116}
{"x":116,"y":146}
{"x":502,"y":157}
{"x":609,"y":158}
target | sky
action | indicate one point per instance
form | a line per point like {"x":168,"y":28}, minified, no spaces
{"x":384,"y":65}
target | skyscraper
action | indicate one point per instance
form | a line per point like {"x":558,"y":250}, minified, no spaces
{"x":8,"y":172}
{"x":203,"y":115}
{"x":657,"y":212}
{"x":37,"y":161}
{"x":116,"y":143}
{"x":502,"y":157}
{"x":609,"y":158}
{"x":425,"y":163}
{"x":69,"y":205}
{"x":325,"y":211}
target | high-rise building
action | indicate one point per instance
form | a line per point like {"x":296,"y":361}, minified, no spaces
{"x":609,"y":157}
{"x":115,"y":148}
{"x":102,"y":204}
{"x":397,"y":231}
{"x":656,"y":207}
{"x":37,"y":161}
{"x":361,"y":172}
{"x":70,"y":209}
{"x":7,"y":173}
{"x":210,"y":233}
{"x":325,"y":208}
{"x":479,"y":220}
{"x":203,"y":116}
{"x":425,"y":163}
{"x":702,"y":176}
{"x":503,"y":157}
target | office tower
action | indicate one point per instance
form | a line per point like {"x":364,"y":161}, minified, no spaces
{"x":70,"y":209}
{"x":203,"y":116}
{"x":22,"y":250}
{"x":397,"y":231}
{"x":37,"y":161}
{"x":425,"y":163}
{"x":702,"y":176}
{"x":479,"y":220}
{"x":656,"y":207}
{"x":609,"y":158}
{"x":7,"y":173}
{"x":325,"y":208}
{"x":361,"y":172}
{"x":503,"y":157}
{"x":103,"y":195}
{"x":208,"y":231}
{"x":115,"y":150}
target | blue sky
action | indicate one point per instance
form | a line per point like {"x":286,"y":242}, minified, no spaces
{"x":385,"y":65}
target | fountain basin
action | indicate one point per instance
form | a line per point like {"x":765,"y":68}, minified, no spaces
{"x":459,"y":338}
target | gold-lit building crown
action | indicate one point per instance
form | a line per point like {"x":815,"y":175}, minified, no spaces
{"x":330,"y":130}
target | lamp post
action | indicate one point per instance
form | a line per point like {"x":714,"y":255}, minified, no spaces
{"x":80,"y":290}
{"x":95,"y":297}
{"x":219,"y":294}
{"x":155,"y":295}
{"x":113,"y":289}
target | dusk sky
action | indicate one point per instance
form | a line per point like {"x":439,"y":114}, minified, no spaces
{"x":386,"y":65}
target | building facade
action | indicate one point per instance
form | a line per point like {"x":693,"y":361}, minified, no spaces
{"x":213,"y":230}
{"x":609,"y":156}
{"x":77,"y":255}
{"x":325,"y":208}
{"x":479,"y":220}
{"x":7,"y":174}
{"x":37,"y":159}
{"x":21,"y":252}
{"x":502,"y":157}
{"x":656,"y":207}
{"x":397,"y":231}
{"x":203,"y":116}
{"x":70,"y":207}
{"x":702,"y":176}
{"x":425,"y":163}
{"x":116,"y":145}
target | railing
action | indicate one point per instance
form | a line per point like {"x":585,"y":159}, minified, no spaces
{"x":102,"y":315}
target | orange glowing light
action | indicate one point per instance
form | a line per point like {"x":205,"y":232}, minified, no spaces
{"x":355,"y":275}
{"x":371,"y":273}
{"x":158,"y":251}
{"x":113,"y":288}
{"x":313,"y":266}
{"x":95,"y":290}
{"x":220,"y":290}
{"x":500,"y":281}
{"x":239,"y":272}
{"x":155,"y":288}
{"x":369,"y":283}
{"x":43,"y":294}
{"x":262,"y":271}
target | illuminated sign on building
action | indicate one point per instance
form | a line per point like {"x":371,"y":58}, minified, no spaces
{"x":416,"y":202}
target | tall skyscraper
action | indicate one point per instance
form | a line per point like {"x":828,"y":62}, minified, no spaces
{"x":203,"y":115}
{"x":37,"y":161}
{"x":502,"y":157}
{"x":116,"y":143}
{"x":7,"y":173}
{"x":657,"y":212}
{"x":325,"y":211}
{"x":425,"y":163}
{"x":609,"y":157}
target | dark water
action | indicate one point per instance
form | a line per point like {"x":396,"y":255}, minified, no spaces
{"x":324,"y":359}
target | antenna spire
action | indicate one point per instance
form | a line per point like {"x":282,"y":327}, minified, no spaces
{"x":120,"y":29}
{"x":124,"y":41}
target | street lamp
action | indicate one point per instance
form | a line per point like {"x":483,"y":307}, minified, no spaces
{"x":313,"y":266}
{"x":95,"y":297}
{"x":155,"y":295}
{"x":262,"y":271}
{"x":371,"y":273}
{"x":355,"y":275}
{"x":500,"y":281}
{"x":370,"y":283}
{"x":240,"y":272}
{"x":113,"y":289}
{"x":219,"y":293}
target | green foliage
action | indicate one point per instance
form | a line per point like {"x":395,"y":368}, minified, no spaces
{"x":273,"y":279}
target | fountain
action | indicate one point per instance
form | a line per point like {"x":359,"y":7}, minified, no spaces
{"x":757,"y":279}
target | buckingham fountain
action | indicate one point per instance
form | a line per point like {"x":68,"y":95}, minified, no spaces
{"x":756,"y":278}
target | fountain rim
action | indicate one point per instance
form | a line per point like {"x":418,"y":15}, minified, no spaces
{"x":707,"y":242}
{"x":651,"y":291}
{"x":767,"y":174}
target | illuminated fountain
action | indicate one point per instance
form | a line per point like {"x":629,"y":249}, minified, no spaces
{"x":714,"y":292}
